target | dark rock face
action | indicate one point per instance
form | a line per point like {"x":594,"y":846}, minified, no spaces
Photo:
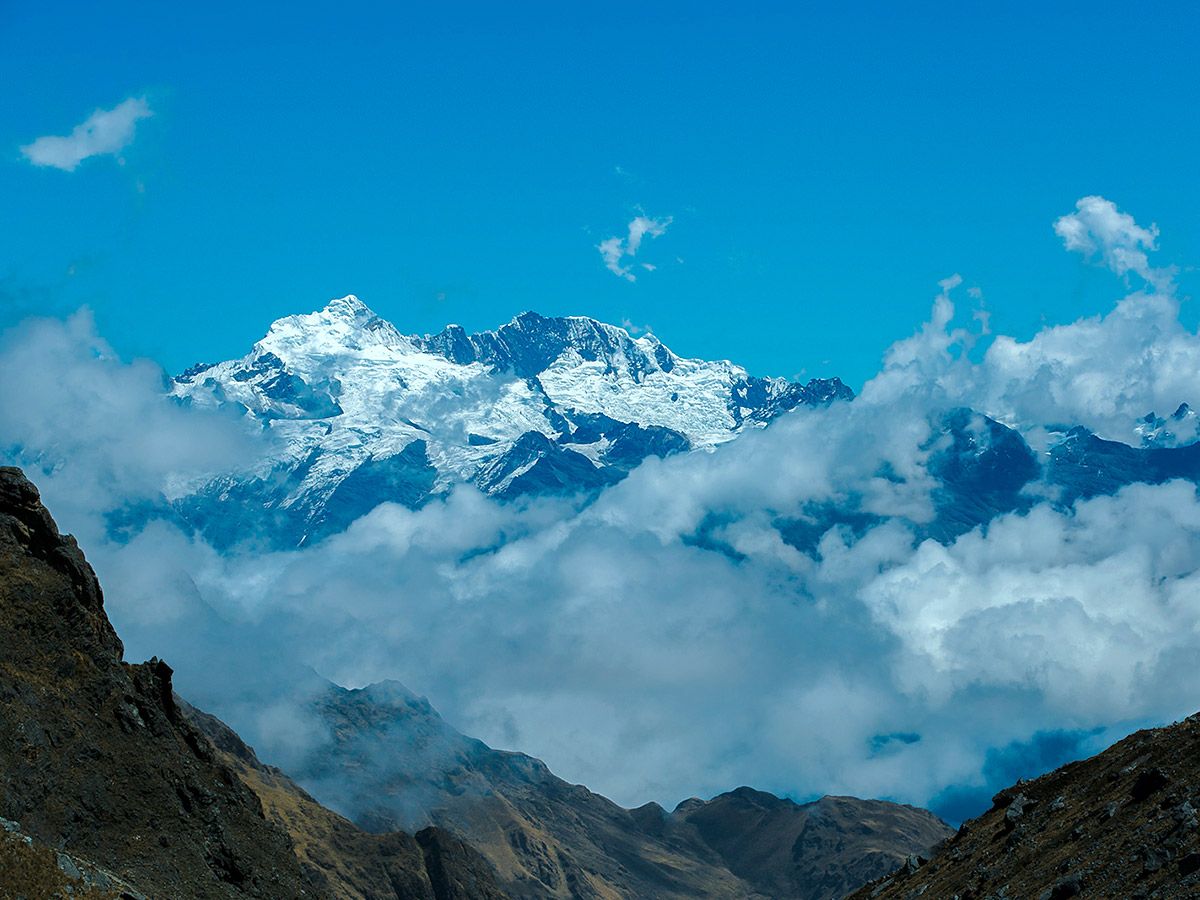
{"x":406,"y":478}
{"x":1084,"y":465}
{"x":1122,"y":824}
{"x":629,"y":442}
{"x":95,"y":757}
{"x":536,"y":465}
{"x":550,"y":839}
{"x":982,"y":467}
{"x":527,"y":345}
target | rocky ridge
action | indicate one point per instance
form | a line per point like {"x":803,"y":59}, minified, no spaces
{"x":1122,"y":825}
{"x":95,"y":757}
{"x":394,"y":763}
{"x":344,"y":861}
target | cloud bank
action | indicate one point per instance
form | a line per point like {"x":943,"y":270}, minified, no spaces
{"x":104,"y":132}
{"x":665,"y":640}
{"x":615,"y":249}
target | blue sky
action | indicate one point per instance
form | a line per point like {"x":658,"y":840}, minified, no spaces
{"x":822,"y":170}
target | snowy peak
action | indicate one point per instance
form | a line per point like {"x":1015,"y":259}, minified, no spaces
{"x":531,"y":343}
{"x":360,"y":413}
{"x":348,"y":307}
{"x":345,"y":326}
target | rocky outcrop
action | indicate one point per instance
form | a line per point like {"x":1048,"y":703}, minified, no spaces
{"x":96,"y":760}
{"x":1123,"y":824}
{"x":111,"y":785}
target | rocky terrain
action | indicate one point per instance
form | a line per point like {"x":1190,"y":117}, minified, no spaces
{"x":33,"y":871}
{"x":95,"y":757}
{"x":394,"y":763}
{"x":106,"y":788}
{"x":1122,"y":825}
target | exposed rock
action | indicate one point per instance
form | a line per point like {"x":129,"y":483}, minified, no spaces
{"x":1090,"y":828}
{"x":95,"y":760}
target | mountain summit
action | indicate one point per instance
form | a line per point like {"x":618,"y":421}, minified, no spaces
{"x":359,"y":413}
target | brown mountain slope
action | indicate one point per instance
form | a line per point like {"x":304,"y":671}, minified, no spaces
{"x":98,"y":759}
{"x":811,"y":851}
{"x":346,"y":862}
{"x":393,"y":762}
{"x":1121,"y":825}
{"x":95,"y":757}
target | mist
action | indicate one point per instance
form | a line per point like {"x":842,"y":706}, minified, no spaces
{"x":663,"y":640}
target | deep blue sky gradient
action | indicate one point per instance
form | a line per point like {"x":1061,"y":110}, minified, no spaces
{"x":459,"y":163}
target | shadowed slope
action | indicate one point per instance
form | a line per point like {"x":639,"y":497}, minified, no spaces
{"x":348,"y":863}
{"x":95,"y":757}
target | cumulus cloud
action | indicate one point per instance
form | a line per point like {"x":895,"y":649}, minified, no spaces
{"x":100,"y":431}
{"x":1098,"y":227}
{"x":104,"y":132}
{"x":667,"y":640}
{"x":615,"y":249}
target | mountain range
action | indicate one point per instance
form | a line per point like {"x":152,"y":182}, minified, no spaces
{"x":354,"y":412}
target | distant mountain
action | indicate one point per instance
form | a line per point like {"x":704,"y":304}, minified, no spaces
{"x":394,"y":763}
{"x":356,"y":413}
{"x":359,"y":413}
{"x":807,"y":851}
{"x":1123,"y":824}
{"x":342,"y":860}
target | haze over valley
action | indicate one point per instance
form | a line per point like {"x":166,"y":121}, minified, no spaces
{"x":465,"y":452}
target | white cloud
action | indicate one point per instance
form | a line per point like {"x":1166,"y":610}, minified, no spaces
{"x":1098,"y":226}
{"x":615,"y":249}
{"x":603,"y":639}
{"x":123,"y":425}
{"x":104,"y":132}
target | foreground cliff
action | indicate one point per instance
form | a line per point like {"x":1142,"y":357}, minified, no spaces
{"x":107,"y":788}
{"x":1123,"y":824}
{"x":95,"y":757}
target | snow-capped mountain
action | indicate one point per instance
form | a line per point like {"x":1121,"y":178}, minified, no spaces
{"x":359,"y":413}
